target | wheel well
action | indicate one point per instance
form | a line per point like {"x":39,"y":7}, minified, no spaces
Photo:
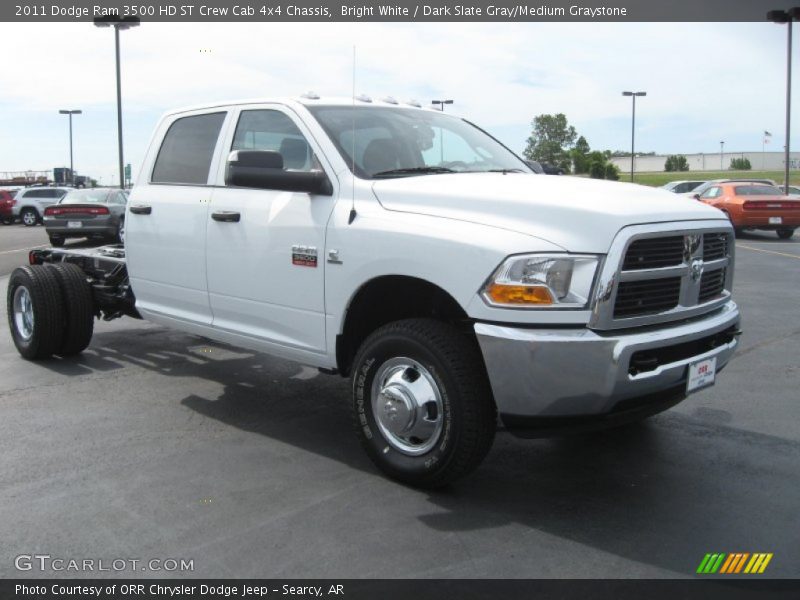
{"x":392,"y":298}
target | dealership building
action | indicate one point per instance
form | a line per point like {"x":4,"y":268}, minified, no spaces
{"x":759,"y":161}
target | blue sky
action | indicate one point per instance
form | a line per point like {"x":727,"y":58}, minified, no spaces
{"x":706,"y":82}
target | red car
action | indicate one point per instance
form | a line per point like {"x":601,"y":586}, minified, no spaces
{"x":755,"y":206}
{"x":6,"y":205}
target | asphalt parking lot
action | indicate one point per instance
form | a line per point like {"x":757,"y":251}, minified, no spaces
{"x":156,"y":444}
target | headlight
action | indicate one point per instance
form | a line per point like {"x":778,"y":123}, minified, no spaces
{"x":542,"y":281}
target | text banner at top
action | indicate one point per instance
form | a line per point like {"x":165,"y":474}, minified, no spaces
{"x":397,"y":10}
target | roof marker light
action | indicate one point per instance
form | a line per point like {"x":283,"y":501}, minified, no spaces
{"x":363,"y":98}
{"x":414,"y":103}
{"x":389,"y":100}
{"x":310,"y":95}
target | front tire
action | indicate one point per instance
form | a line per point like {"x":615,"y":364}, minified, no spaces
{"x":29,"y":217}
{"x":785,"y":234}
{"x":35,"y":311}
{"x":422,"y":405}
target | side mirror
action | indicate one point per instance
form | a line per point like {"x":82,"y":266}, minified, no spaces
{"x":696,"y":196}
{"x":263,"y":169}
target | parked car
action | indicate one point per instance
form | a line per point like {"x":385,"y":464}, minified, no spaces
{"x":794,"y":190}
{"x":87,"y":213}
{"x":751,"y":205}
{"x":681,"y":187}
{"x":31,"y":202}
{"x":451,"y":286}
{"x":701,"y":189}
{"x":7,"y":207}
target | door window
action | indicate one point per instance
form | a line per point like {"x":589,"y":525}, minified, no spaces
{"x":188,"y":148}
{"x":274,"y":131}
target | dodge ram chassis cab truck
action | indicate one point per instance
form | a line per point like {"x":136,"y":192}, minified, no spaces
{"x":415,"y":254}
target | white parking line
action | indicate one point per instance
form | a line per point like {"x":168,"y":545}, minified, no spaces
{"x":23,"y":249}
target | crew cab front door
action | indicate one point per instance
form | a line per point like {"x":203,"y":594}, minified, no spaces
{"x":265,"y":248}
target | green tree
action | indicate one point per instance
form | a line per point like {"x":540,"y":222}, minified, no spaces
{"x":612,"y":172}
{"x":740,"y":164}
{"x":551,"y":140}
{"x":676,"y":162}
{"x":580,"y":155}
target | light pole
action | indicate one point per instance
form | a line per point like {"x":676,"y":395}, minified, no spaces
{"x":441,"y":104}
{"x":721,"y":155}
{"x":71,"y":168}
{"x":784,"y":16}
{"x":633,"y":96}
{"x":118,"y":24}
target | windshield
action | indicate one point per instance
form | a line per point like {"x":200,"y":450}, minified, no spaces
{"x":398,"y":142}
{"x":757,"y":190}
{"x":84,"y":196}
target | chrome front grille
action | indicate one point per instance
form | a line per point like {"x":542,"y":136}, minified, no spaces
{"x":661,"y":273}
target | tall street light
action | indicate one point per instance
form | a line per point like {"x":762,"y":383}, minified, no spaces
{"x":786,"y":16}
{"x":118,"y":24}
{"x":633,"y":96}
{"x":71,"y":168}
{"x":721,"y":155}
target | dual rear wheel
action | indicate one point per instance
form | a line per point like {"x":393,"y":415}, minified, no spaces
{"x":50,"y":310}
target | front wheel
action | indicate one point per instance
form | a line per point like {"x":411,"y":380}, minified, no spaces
{"x":422,"y":404}
{"x":785,"y":234}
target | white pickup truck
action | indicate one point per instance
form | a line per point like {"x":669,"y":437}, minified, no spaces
{"x":412,"y":252}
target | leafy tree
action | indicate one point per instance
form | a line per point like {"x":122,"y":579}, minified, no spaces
{"x":612,"y":172}
{"x":740,"y":164}
{"x":580,"y":155}
{"x":551,"y":140}
{"x":676,"y":162}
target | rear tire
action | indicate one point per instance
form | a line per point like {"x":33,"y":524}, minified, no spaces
{"x":29,"y":217}
{"x":785,"y":234}
{"x":35,"y":311}
{"x":56,"y":242}
{"x":436,"y":370}
{"x":79,"y":308}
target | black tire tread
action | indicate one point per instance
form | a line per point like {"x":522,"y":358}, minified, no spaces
{"x":79,"y":307}
{"x":462,"y":357}
{"x":48,"y":309}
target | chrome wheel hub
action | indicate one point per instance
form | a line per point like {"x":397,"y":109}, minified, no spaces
{"x":23,"y":313}
{"x":29,"y":218}
{"x":407,"y":405}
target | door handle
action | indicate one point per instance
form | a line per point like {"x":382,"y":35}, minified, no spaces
{"x":226,"y":216}
{"x":141,"y":210}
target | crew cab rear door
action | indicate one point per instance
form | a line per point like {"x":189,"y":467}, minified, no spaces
{"x":166,"y":219}
{"x":265,"y":248}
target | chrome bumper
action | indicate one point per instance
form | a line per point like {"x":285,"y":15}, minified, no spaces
{"x":580,"y":372}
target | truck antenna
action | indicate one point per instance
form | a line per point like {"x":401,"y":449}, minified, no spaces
{"x":353,"y":153}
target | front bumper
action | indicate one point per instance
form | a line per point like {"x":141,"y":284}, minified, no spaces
{"x":540,"y":374}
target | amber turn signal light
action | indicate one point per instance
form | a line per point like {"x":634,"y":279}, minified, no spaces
{"x":519,"y":294}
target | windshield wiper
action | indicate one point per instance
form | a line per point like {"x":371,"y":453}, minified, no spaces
{"x":504,"y":171}
{"x":413,"y":171}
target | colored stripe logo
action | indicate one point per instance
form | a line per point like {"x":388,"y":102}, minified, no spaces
{"x":736,"y":562}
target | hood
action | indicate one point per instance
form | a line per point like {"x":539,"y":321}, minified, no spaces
{"x":580,"y":215}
